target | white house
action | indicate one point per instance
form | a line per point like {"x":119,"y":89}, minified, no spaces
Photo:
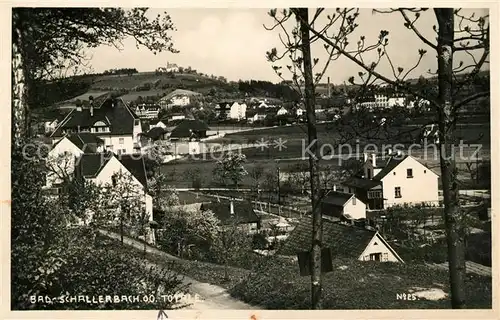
{"x":237,"y":111}
{"x":158,"y":123}
{"x":343,"y":240}
{"x":282,"y":111}
{"x":345,"y":206}
{"x":62,"y":157}
{"x":400,"y":179}
{"x":147,"y":111}
{"x":112,"y":121}
{"x":101,"y":169}
{"x":258,"y":117}
{"x":178,"y":97}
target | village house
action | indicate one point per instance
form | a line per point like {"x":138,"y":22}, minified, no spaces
{"x":240,"y":213}
{"x":282,"y":111}
{"x":256,"y":115}
{"x":101,"y":169}
{"x":395,"y":181}
{"x":112,"y":121}
{"x":176,"y":116}
{"x":344,"y":241}
{"x":342,"y":206}
{"x":162,"y":123}
{"x":62,"y":157}
{"x":147,"y":111}
{"x":222,"y":109}
{"x":237,"y":111}
{"x":186,"y":136}
{"x":178,"y":97}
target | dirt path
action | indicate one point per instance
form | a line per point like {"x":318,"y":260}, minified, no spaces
{"x":211,"y":297}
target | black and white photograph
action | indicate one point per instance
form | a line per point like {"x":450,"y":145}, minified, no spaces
{"x":192,"y":159}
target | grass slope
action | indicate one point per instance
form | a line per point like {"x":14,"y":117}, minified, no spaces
{"x":362,"y":285}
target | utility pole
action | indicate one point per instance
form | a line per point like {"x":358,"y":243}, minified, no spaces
{"x":302,"y":15}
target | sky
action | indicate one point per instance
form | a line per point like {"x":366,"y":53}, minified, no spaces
{"x":232,"y":42}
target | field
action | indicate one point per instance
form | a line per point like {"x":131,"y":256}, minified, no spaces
{"x":178,"y":81}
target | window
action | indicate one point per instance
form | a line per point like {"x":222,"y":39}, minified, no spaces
{"x":136,"y":122}
{"x":374,"y":194}
{"x":397,"y":192}
{"x":386,"y":256}
{"x":113,"y":180}
{"x":110,"y":147}
{"x":354,"y":201}
{"x":394,"y":173}
{"x":425,"y":171}
{"x":121,"y":140}
{"x":409,"y":173}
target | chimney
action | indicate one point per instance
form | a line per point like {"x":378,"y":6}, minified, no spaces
{"x":231,"y":208}
{"x":374,"y":160}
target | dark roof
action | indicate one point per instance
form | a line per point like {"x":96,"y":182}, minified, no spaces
{"x":343,"y":240}
{"x":119,"y":117}
{"x":135,"y":164}
{"x":243,"y":211}
{"x":156,"y":132}
{"x":337,"y":198}
{"x":186,"y":128}
{"x":361,"y":183}
{"x":90,"y":164}
{"x":391,"y":164}
{"x":85,"y":140}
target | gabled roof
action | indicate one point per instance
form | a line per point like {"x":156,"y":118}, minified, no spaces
{"x":187,"y":127}
{"x":391,"y":164}
{"x":91,"y":164}
{"x":343,"y":240}
{"x":85,"y":141}
{"x":113,"y":112}
{"x":156,"y":132}
{"x":336,"y":198}
{"x":135,"y":164}
{"x":243,"y":211}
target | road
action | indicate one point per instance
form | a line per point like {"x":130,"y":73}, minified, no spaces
{"x":212,"y":297}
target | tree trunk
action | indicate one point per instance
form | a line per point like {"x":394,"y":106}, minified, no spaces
{"x":310,"y":104}
{"x":121,"y":229}
{"x":446,"y":117}
{"x":20,"y":109}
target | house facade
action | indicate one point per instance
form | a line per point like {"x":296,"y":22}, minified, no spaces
{"x":178,"y":97}
{"x":343,"y":206}
{"x":62,"y":158}
{"x":237,"y":111}
{"x":282,"y":111}
{"x":101,"y":169}
{"x":112,"y":121}
{"x":147,"y":111}
{"x":396,"y":181}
